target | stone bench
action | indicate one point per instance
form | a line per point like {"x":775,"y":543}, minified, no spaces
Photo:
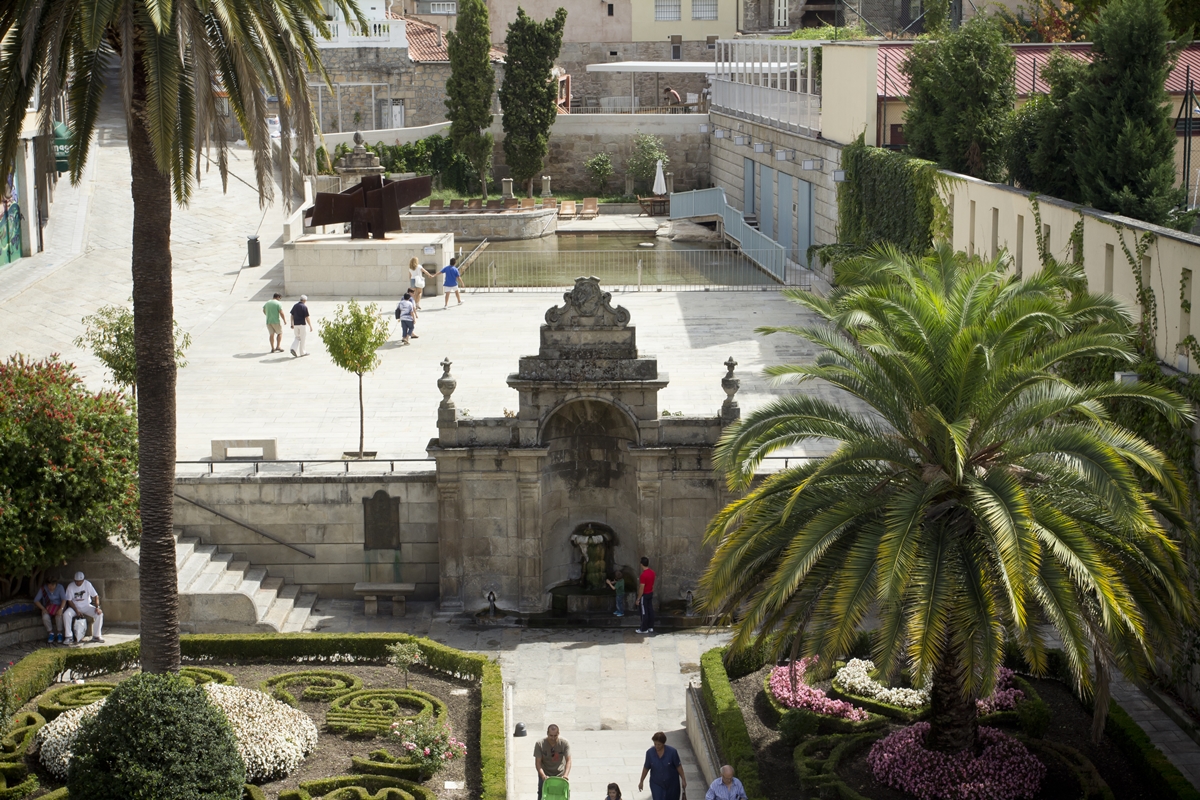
{"x":221,"y":447}
{"x":372,"y":591}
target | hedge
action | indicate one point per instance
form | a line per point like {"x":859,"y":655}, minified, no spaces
{"x":730,"y":727}
{"x":374,"y":786}
{"x":1162,"y":778}
{"x":30,"y":676}
{"x":817,"y":760}
{"x":800,"y":722}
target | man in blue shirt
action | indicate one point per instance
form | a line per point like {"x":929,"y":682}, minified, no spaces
{"x":451,"y":283}
{"x":726,"y":787}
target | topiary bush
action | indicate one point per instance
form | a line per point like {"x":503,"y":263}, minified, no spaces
{"x":71,"y":695}
{"x":157,"y":738}
{"x":319,"y":685}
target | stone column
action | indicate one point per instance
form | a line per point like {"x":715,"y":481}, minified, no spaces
{"x":670,"y":176}
{"x":506,"y":185}
{"x":628,"y":185}
{"x":450,"y":555}
{"x":529,"y":543}
{"x":546,"y":186}
{"x":650,"y":524}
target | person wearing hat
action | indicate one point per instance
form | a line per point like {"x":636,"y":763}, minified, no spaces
{"x":83,"y":599}
{"x":301,"y":324}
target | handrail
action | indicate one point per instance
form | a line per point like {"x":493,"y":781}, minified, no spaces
{"x":247,"y":526}
{"x":764,"y":251}
{"x":474,"y":254}
{"x":302,"y":461}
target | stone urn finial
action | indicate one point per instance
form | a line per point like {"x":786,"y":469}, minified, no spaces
{"x":359,"y":141}
{"x":446,"y":384}
{"x":729,"y":409}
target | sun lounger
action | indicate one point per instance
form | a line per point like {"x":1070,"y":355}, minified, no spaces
{"x":456,"y":205}
{"x":495,"y":204}
{"x":591,"y":208}
{"x":528,"y":204}
{"x":437,"y":205}
{"x":475,"y":204}
{"x":567,"y":210}
{"x":549,"y":202}
{"x":511,"y":203}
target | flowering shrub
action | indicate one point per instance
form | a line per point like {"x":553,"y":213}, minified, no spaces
{"x":56,"y":738}
{"x":1006,"y":696}
{"x":272,"y":737}
{"x":404,"y":656}
{"x":428,"y":742}
{"x":810,"y":697}
{"x":1003,"y":770}
{"x":855,"y":678}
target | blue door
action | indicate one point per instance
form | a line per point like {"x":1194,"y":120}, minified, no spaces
{"x":748,"y":186}
{"x":766,"y":202}
{"x":787,"y":215}
{"x":804,"y":221}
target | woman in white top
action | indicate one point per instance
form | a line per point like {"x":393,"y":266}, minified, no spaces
{"x":416,"y":279}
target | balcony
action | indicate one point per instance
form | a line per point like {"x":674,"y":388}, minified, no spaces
{"x":771,"y":82}
{"x":377,"y":33}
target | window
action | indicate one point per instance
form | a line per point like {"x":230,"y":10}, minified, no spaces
{"x":613,"y":55}
{"x":443,"y":8}
{"x":704,"y":9}
{"x":676,"y":52}
{"x":610,"y":9}
{"x":667,"y":10}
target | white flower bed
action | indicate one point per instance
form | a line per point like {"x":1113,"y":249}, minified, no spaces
{"x":56,"y":738}
{"x":272,"y":737}
{"x":855,"y":678}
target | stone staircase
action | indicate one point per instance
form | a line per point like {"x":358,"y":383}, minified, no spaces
{"x":220,"y":595}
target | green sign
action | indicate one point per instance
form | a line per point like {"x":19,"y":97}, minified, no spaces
{"x":62,"y":147}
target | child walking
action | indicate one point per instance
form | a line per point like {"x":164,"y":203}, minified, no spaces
{"x":617,"y":584}
{"x":614,"y":791}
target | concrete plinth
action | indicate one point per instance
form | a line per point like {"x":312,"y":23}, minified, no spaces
{"x":334,"y":265}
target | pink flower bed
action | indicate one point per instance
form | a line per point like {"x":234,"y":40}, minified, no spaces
{"x":1005,"y":697}
{"x":809,"y":697}
{"x":1003,"y":770}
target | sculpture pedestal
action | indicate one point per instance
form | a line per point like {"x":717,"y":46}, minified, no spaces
{"x":334,"y":265}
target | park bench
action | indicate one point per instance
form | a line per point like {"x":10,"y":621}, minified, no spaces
{"x":221,"y":447}
{"x":372,"y":591}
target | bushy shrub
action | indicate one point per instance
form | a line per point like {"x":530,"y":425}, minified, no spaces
{"x":1004,"y":698}
{"x":599,"y":168}
{"x":648,"y":150}
{"x":1034,"y":718}
{"x":157,"y":738}
{"x":429,"y":743}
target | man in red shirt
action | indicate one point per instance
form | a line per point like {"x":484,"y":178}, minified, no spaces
{"x":645,"y":597}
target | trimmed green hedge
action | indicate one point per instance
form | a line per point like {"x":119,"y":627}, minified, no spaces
{"x":64,"y":698}
{"x":382,"y":762}
{"x":817,"y":760}
{"x":371,"y":712}
{"x":905,"y":715}
{"x":374,"y":785}
{"x":319,"y":684}
{"x":799,"y":723}
{"x":203,"y":675}
{"x":730,"y":727}
{"x":31,"y":675}
{"x":1161,"y":777}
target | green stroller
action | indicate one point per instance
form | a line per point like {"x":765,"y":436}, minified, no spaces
{"x":555,"y":788}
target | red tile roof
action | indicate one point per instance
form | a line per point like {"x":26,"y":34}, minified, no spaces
{"x":427,"y":43}
{"x":1031,"y":59}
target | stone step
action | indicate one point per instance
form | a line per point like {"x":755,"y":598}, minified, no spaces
{"x":231,"y":578}
{"x":184,"y":547}
{"x":278,"y":613}
{"x":301,"y":611}
{"x":195,"y":564}
{"x":252,"y":580}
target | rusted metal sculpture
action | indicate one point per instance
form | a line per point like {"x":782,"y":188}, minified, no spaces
{"x":372,"y":207}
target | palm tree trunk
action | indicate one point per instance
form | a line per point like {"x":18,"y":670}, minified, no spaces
{"x":154,"y":340}
{"x":953,"y":718}
{"x":361,"y":417}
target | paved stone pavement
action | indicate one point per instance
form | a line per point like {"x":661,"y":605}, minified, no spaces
{"x":1178,"y":747}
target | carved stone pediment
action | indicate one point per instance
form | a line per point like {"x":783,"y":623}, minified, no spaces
{"x":587,"y":306}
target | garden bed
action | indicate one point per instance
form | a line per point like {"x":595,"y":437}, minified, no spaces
{"x":334,"y":752}
{"x":1070,"y":725}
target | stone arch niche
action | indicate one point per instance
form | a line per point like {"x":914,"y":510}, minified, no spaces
{"x":587,"y":476}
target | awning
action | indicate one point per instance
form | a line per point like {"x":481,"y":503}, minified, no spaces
{"x":654,"y":66}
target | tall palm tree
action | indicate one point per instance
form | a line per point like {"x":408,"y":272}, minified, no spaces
{"x":983,"y":498}
{"x":175,"y":59}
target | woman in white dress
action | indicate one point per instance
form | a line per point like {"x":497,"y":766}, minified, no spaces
{"x":416,"y":279}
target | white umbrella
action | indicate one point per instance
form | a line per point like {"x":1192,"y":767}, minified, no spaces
{"x":660,"y":182}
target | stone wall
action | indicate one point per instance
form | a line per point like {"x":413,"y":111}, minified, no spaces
{"x":495,"y":226}
{"x":323,"y":514}
{"x":575,"y":138}
{"x":334,"y":265}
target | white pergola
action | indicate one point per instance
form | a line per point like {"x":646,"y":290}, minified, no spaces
{"x":636,"y":67}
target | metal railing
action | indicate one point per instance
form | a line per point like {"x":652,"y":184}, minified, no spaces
{"x":764,"y":251}
{"x":691,"y":108}
{"x":649,"y":269}
{"x":772,"y":82}
{"x":286,"y":466}
{"x":775,"y":107}
{"x":377,"y":33}
{"x":244,"y":524}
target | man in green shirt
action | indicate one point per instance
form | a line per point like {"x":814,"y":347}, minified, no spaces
{"x":274,"y":311}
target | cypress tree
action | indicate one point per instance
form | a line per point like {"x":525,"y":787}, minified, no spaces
{"x":469,"y":90}
{"x":528,"y":88}
{"x":1125,"y":154}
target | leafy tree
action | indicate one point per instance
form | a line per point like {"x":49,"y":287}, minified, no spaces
{"x":530,"y":89}
{"x":1042,"y":139}
{"x":176,"y":60}
{"x":1185,"y":18}
{"x":648,"y":150}
{"x":1125,"y":154}
{"x":982,"y":497}
{"x":109,"y":335}
{"x":353,"y":339}
{"x":68,"y":469}
{"x":157,"y":736}
{"x":469,"y":90}
{"x":960,"y":97}
{"x":599,"y":168}
{"x":404,"y":656}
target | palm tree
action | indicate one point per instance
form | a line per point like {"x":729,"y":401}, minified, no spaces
{"x":174,"y":58}
{"x":984,"y":498}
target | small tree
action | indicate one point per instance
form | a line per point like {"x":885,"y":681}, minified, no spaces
{"x":960,"y":98}
{"x":109,"y":335}
{"x":599,"y":168}
{"x":648,"y":150}
{"x":1125,"y":159}
{"x":469,"y":90}
{"x":529,"y":87}
{"x":353,"y":338}
{"x":68,"y":469}
{"x":404,"y":656}
{"x":1042,"y":137}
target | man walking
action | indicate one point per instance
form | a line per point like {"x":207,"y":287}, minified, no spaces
{"x":726,"y":787}
{"x":273,"y":309}
{"x":645,"y":597}
{"x":451,"y":283}
{"x":302,"y":324}
{"x":83,"y":600}
{"x":552,"y":757}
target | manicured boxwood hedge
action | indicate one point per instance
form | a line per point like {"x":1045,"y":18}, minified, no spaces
{"x":810,"y":723}
{"x":31,"y":675}
{"x":732,"y":737}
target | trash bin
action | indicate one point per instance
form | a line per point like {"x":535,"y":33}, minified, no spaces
{"x":253,"y":251}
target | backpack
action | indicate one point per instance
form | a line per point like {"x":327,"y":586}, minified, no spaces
{"x":398,"y":309}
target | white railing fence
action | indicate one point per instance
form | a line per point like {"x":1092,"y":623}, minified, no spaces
{"x":764,"y":251}
{"x":773,"y":82}
{"x":377,"y":33}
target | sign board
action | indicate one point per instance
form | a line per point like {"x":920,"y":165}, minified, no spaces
{"x":428,"y":249}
